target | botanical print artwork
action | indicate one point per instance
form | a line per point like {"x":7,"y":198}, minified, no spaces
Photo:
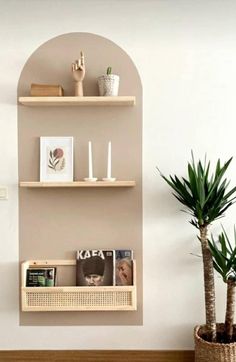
{"x":56,"y":160}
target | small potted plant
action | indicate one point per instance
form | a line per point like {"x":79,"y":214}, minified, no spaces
{"x":108,"y":84}
{"x":206,"y":198}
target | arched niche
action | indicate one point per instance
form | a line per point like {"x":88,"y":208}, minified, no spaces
{"x":54,"y":223}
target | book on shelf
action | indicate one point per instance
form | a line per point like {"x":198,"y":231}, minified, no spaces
{"x":123,"y":267}
{"x":104,"y":267}
{"x":95,"y":267}
{"x":40,"y":277}
{"x":46,"y":90}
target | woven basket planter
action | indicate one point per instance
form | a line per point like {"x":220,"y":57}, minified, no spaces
{"x":213,"y":352}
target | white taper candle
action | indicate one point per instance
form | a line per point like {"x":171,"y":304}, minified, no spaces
{"x":90,"y":160}
{"x":109,"y":161}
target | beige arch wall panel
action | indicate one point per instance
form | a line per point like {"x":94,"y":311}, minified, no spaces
{"x":54,"y":223}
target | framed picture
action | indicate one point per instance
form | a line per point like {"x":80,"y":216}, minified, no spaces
{"x":56,"y":159}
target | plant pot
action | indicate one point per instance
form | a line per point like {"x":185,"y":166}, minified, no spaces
{"x":213,"y":352}
{"x":108,"y":85}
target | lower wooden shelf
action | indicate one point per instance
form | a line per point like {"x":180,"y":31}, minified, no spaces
{"x":71,"y":298}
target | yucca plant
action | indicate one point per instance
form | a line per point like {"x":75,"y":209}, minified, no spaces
{"x":224,"y":261}
{"x":206,"y":199}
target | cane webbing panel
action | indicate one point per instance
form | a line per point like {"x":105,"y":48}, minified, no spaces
{"x":78,"y":299}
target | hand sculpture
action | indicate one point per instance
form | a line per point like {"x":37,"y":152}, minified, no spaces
{"x":78,"y":71}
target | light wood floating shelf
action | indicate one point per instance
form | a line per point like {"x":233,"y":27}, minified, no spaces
{"x":72,"y":298}
{"x":78,"y":101}
{"x":78,"y":184}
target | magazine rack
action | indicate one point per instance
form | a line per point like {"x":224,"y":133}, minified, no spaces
{"x":72,"y":298}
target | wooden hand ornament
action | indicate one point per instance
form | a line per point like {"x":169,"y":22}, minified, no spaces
{"x":78,"y":71}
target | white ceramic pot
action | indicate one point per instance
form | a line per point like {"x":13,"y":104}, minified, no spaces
{"x":108,"y":85}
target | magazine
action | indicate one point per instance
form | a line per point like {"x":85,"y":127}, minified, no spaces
{"x":95,"y":267}
{"x":123,"y":267}
{"x":40,"y":277}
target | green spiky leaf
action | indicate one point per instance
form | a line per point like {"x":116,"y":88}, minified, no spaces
{"x":224,"y":255}
{"x":205,"y":196}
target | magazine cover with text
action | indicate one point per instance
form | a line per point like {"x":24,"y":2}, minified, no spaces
{"x":95,"y":267}
{"x":40,"y":277}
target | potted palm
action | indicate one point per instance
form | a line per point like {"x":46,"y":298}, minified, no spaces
{"x":224,"y":262}
{"x":206,"y":198}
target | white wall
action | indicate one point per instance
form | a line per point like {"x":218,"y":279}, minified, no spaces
{"x":186,"y":55}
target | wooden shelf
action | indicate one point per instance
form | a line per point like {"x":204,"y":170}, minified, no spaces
{"x":72,"y":298}
{"x":78,"y":101}
{"x":36,"y":184}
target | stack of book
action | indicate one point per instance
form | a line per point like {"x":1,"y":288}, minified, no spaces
{"x":46,"y":90}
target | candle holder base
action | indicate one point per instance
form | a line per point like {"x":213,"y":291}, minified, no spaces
{"x":92,"y":179}
{"x":109,"y":179}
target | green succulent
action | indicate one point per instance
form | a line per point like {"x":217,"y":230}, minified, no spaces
{"x":109,"y":69}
